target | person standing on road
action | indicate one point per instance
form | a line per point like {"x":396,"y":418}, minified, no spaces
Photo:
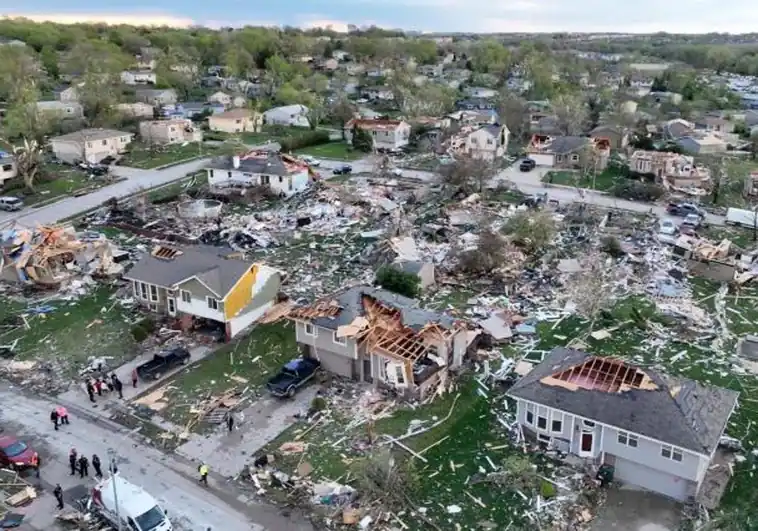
{"x":58,"y":493}
{"x":203,"y":469}
{"x":83,"y":466}
{"x":72,"y":461}
{"x":54,"y":418}
{"x":134,"y":377}
{"x":96,"y":466}
{"x":118,"y":385}
{"x":62,"y":414}
{"x":35,"y":463}
{"x":99,"y":386}
{"x":90,"y":390}
{"x":230,"y":421}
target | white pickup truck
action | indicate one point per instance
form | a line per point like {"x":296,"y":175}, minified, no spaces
{"x":741,"y":217}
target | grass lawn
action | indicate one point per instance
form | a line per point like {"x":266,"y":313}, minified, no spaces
{"x":245,"y":364}
{"x":332,"y":150}
{"x":139,"y":156}
{"x":602,"y":181}
{"x":59,"y":181}
{"x":94,"y":325}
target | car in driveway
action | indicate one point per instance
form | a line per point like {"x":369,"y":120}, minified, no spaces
{"x":11,"y":204}
{"x":162,"y":363}
{"x":292,"y":376}
{"x":683,"y":209}
{"x":345,"y":169}
{"x":15,"y":454}
{"x":527,"y":165}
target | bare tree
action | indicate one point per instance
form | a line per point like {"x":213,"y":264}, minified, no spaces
{"x":571,"y":113}
{"x":531,"y":231}
{"x":468,"y":173}
{"x":514,"y":114}
{"x":591,"y":290}
{"x":29,"y":160}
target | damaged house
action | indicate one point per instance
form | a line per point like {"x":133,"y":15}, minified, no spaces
{"x":374,"y":335}
{"x":203,"y":283}
{"x":658,"y":432}
{"x":569,"y":152}
{"x":283,"y":174}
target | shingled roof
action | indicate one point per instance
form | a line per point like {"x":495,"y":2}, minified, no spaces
{"x":676,"y":411}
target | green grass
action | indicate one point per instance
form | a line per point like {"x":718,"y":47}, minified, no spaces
{"x":603,"y":181}
{"x":140,"y":156}
{"x":58,"y":181}
{"x":185,"y":186}
{"x":244,"y":364}
{"x":332,"y":150}
{"x":94,"y":325}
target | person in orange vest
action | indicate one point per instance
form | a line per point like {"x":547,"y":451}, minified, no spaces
{"x":35,"y":462}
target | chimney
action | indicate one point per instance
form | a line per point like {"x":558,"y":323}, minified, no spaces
{"x":236,"y":162}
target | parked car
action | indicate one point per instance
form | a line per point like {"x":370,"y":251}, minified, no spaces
{"x":693,"y":220}
{"x":311,"y":161}
{"x":527,"y":165}
{"x":11,"y":204}
{"x":345,"y":169}
{"x":535,"y":201}
{"x":15,"y":454}
{"x":293,"y":375}
{"x":163,"y":362}
{"x":397,"y":172}
{"x":667,"y":227}
{"x":683,"y":209}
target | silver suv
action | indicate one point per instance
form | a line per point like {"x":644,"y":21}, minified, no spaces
{"x":11,"y":204}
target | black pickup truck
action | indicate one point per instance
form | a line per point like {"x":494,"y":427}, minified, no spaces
{"x":163,"y":362}
{"x":291,"y":376}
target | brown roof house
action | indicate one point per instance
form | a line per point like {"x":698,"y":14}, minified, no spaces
{"x":569,"y":152}
{"x":659,"y":432}
{"x":203,"y":283}
{"x":376,"y":336}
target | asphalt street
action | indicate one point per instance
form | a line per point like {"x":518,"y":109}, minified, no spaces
{"x":172,"y":481}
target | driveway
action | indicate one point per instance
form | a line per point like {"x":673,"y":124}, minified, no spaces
{"x":136,"y":180}
{"x":636,"y":510}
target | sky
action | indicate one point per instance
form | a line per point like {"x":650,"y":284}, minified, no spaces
{"x":485,"y":16}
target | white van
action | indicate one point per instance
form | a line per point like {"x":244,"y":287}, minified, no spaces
{"x":738,"y":216}
{"x":138,"y":510}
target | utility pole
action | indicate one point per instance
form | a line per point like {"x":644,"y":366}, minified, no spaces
{"x":112,"y":468}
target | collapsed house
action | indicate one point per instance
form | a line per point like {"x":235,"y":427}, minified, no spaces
{"x":674,"y":171}
{"x":50,"y":256}
{"x":373,"y":335}
{"x":723,"y":262}
{"x":658,"y":432}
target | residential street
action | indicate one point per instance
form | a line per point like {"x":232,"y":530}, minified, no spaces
{"x":135,"y":181}
{"x":170,"y":480}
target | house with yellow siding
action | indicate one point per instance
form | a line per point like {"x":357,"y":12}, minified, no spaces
{"x":204,"y":285}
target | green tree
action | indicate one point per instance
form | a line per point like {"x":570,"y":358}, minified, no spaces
{"x":341,"y":111}
{"x":397,"y":281}
{"x":492,"y":57}
{"x":179,"y":69}
{"x":362,"y":140}
{"x":50,"y":61}
{"x":17,"y":68}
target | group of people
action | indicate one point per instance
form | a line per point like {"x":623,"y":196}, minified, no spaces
{"x":105,"y":384}
{"x":59,"y":414}
{"x":81,"y":464}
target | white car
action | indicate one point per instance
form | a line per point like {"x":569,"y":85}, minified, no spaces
{"x":397,"y":172}
{"x":310,"y":161}
{"x":667,"y":227}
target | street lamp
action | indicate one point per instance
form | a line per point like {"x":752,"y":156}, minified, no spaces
{"x":112,"y":467}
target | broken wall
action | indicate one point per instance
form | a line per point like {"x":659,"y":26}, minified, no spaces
{"x":712,"y":270}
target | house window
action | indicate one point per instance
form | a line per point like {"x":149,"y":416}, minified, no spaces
{"x":281,"y":179}
{"x":153,"y":293}
{"x":559,"y":158}
{"x":530,"y":415}
{"x":212,"y":303}
{"x":143,"y":290}
{"x":124,"y":139}
{"x":310,"y":330}
{"x":186,"y":296}
{"x":542,"y":418}
{"x":265,"y":179}
{"x":627,"y":439}
{"x":669,"y":452}
{"x":556,"y":426}
{"x":229,"y":174}
{"x":89,"y":144}
{"x":400,"y":373}
{"x":588,"y":424}
{"x":543,"y":438}
{"x":338,"y":340}
{"x":171,"y":302}
{"x":210,"y":173}
{"x":489,"y":142}
{"x":105,"y":142}
{"x":574,"y":158}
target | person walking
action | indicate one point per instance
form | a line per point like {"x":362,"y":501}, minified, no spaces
{"x":58,"y":493}
{"x":83,"y":466}
{"x":99,"y":386}
{"x":62,"y":414}
{"x":230,"y":421}
{"x":96,"y":466}
{"x":118,"y":385}
{"x":72,"y":461}
{"x":35,"y":463}
{"x":90,"y":390}
{"x":203,"y":469}
{"x":54,"y":418}
{"x":134,"y":377}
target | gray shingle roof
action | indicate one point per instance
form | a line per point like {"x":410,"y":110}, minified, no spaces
{"x":681,"y":412}
{"x":86,"y":135}
{"x":207,"y":263}
{"x":351,"y":306}
{"x":567,"y":144}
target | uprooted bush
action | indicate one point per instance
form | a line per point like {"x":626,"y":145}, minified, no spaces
{"x":532,"y":231}
{"x":143,"y":329}
{"x":636,"y":190}
{"x":488,"y":255}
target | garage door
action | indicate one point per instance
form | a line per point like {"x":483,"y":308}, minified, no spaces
{"x":335,"y":363}
{"x":651,"y":479}
{"x":542,"y":159}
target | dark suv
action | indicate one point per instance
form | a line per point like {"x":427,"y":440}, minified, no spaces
{"x":527,"y":165}
{"x":684,"y":209}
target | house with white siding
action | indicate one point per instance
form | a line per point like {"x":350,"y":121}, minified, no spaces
{"x":283,"y":174}
{"x":90,"y":145}
{"x":659,"y":432}
{"x":387,"y":135}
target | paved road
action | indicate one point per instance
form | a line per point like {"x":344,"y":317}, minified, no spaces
{"x":136,"y":180}
{"x":172,"y":482}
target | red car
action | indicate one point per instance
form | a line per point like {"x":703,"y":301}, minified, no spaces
{"x":15,"y":454}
